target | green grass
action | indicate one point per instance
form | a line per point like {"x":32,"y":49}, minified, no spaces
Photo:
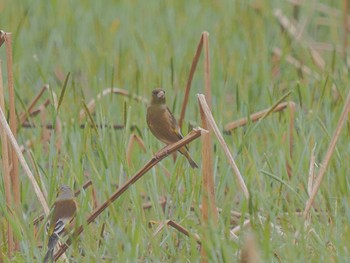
{"x":141,"y":45}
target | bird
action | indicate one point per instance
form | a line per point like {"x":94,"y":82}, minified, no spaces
{"x":163,"y":124}
{"x":63,"y":210}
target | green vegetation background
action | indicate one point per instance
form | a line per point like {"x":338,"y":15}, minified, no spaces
{"x":141,"y":45}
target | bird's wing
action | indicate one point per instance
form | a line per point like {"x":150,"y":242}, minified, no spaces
{"x":175,"y":126}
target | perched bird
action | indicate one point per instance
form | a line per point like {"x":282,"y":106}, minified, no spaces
{"x":163,"y":124}
{"x":63,"y":211}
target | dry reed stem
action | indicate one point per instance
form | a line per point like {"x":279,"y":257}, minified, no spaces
{"x":92,"y":104}
{"x":210,"y":119}
{"x":237,"y":229}
{"x":178,"y":227}
{"x":207,"y":68}
{"x":194,"y":134}
{"x":13,"y":125}
{"x":6,"y":171}
{"x":208,"y":188}
{"x":189,"y":81}
{"x":297,"y":64}
{"x":133,"y":138}
{"x":310,"y":184}
{"x":24,"y":115}
{"x":38,"y":110}
{"x":258,"y":115}
{"x":293,"y":32}
{"x":328,"y":156}
{"x":17,"y":150}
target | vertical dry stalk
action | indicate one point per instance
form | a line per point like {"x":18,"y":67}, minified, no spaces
{"x":291,"y":106}
{"x":13,"y":125}
{"x":20,"y":156}
{"x":210,"y":120}
{"x":328,"y":156}
{"x":208,"y":198}
{"x":189,"y":81}
{"x":6,"y":169}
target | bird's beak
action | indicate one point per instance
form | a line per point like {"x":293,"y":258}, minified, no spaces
{"x":160,"y":94}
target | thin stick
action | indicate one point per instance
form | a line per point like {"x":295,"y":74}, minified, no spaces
{"x":25,"y":114}
{"x":178,"y":227}
{"x":256,"y":116}
{"x":194,"y":134}
{"x":328,"y":156}
{"x":6,"y":171}
{"x":23,"y":163}
{"x":13,"y":126}
{"x":189,"y":81}
{"x":210,"y":119}
{"x":91,"y":105}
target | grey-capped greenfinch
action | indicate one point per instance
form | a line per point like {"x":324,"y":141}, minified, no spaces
{"x":163,"y":124}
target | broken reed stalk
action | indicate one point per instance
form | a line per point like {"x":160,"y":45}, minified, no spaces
{"x":189,"y":80}
{"x":160,"y":155}
{"x":91,"y":105}
{"x":258,"y":115}
{"x":6,"y":171}
{"x":179,"y":228}
{"x":24,"y":115}
{"x":210,"y":120}
{"x":24,"y":164}
{"x":327,"y":157}
{"x":13,"y":125}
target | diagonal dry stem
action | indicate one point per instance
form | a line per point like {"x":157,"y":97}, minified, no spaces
{"x":24,"y":115}
{"x":189,"y":81}
{"x":293,"y":32}
{"x":177,"y":227}
{"x":210,"y":119}
{"x":328,"y":156}
{"x":20,"y":156}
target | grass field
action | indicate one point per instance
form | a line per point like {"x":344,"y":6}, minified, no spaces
{"x":141,"y":45}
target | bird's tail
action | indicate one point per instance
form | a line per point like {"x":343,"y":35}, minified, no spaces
{"x":188,"y":157}
{"x":50,"y":248}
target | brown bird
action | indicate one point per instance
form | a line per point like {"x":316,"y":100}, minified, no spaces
{"x":63,"y":210}
{"x":163,"y":124}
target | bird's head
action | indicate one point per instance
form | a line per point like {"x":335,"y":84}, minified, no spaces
{"x":65,"y":192}
{"x":158,"y":96}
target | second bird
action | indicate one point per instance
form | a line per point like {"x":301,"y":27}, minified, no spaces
{"x":163,"y":124}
